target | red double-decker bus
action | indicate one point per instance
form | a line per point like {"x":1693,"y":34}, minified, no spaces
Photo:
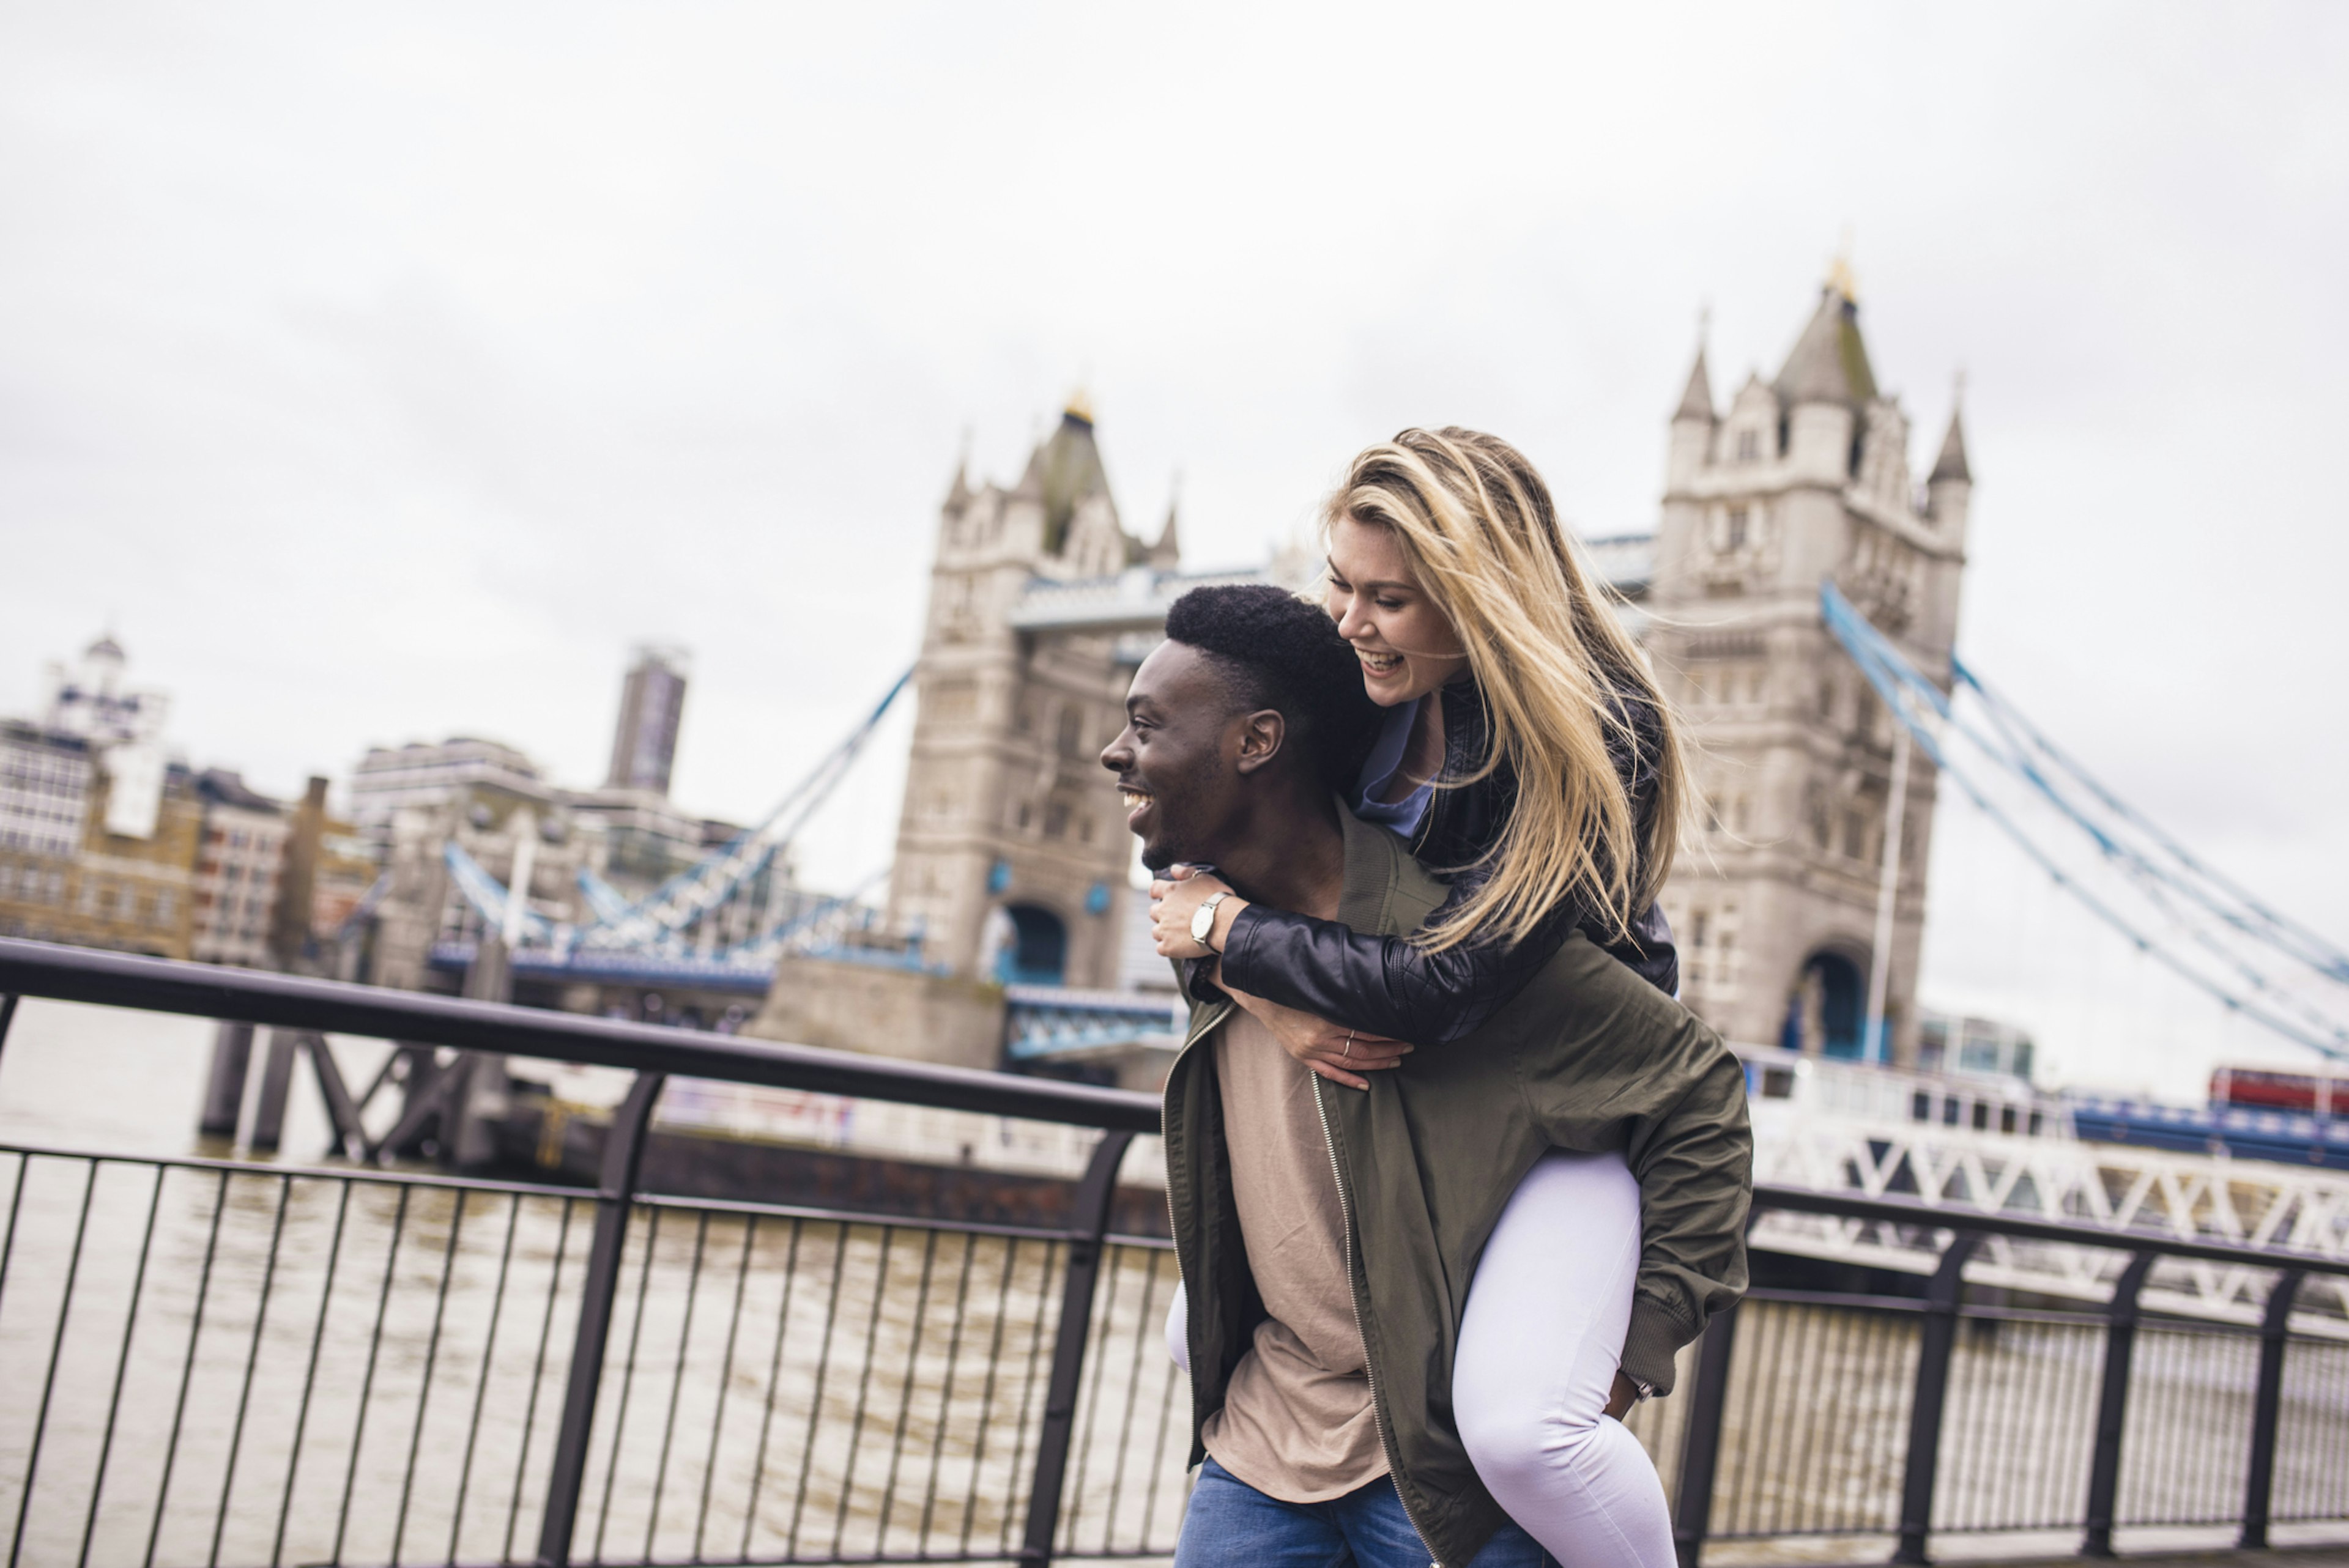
{"x":2325,"y":1094}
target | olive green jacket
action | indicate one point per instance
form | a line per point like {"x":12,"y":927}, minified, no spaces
{"x":1588,"y":1056}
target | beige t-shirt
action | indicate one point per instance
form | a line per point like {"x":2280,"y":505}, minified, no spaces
{"x":1297,"y":1423}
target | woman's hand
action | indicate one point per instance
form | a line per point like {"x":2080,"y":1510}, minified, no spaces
{"x":1175,"y":897}
{"x":1622,"y":1397}
{"x":1334,"y":1052}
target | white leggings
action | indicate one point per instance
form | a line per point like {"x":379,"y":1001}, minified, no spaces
{"x":1539,"y":1347}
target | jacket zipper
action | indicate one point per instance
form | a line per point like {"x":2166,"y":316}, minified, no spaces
{"x":1370,"y":1374}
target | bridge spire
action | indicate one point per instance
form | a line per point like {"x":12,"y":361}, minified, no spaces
{"x":1952,"y":464}
{"x":1167,"y":553}
{"x":1696,"y":398}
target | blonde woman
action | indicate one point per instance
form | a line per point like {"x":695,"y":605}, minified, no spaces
{"x":1528,"y":756}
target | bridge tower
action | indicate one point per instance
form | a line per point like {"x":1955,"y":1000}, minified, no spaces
{"x":1011,"y":852}
{"x":1804,"y":477}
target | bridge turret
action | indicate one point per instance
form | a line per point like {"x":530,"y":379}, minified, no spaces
{"x":1951,"y":486}
{"x":1824,"y":387}
{"x":1805,"y":477}
{"x":1692,"y":426}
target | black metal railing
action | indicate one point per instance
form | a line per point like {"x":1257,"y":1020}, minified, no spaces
{"x":223,"y":1361}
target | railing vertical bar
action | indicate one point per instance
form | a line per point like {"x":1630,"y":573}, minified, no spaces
{"x":725,"y":1383}
{"x":906,"y":1393}
{"x":628,"y":1382}
{"x":49,"y":1379}
{"x":1936,"y":1342}
{"x":251,"y":1361}
{"x":1027,"y":1399}
{"x":1737,"y":1383}
{"x":1096,"y":1336}
{"x":366,"y":1383}
{"x":310,"y":1375}
{"x":7,"y":1015}
{"x":815,"y":1403}
{"x":1701,"y":1438}
{"x":424,"y":1385}
{"x":1167,"y":1407}
{"x":677,"y":1380}
{"x":1095,"y":1197}
{"x":121,"y":1364}
{"x":187,"y":1368}
{"x":1770,"y":1377}
{"x":1132,"y":1398}
{"x":537,"y":1374}
{"x":946,"y":1392}
{"x":481,"y":1381}
{"x":16,"y":1202}
{"x":622,"y":1156}
{"x":864,"y":1388}
{"x":774,"y":1383}
{"x":986,"y":1395}
{"x":2112,"y":1404}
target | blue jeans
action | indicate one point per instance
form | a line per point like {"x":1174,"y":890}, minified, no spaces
{"x":1230,"y":1524}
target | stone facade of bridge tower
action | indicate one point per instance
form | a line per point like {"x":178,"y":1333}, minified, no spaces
{"x":1011,"y":849}
{"x":1802,"y":478}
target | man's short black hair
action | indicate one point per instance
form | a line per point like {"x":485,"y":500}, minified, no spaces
{"x":1281,"y":652}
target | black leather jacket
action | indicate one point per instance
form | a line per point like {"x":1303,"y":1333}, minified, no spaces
{"x":1386,"y":985}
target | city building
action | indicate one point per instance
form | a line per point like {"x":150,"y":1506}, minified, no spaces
{"x":238,"y":866}
{"x":44,"y":788}
{"x":92,"y":702}
{"x":98,"y":829}
{"x":389,"y":780}
{"x":652,"y":703}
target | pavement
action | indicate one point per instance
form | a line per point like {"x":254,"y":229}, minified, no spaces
{"x":2295,"y":1547}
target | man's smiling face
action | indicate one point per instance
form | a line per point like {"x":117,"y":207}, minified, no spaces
{"x":1178,"y":760}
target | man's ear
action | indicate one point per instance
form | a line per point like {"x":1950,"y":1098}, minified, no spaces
{"x":1260,"y":734}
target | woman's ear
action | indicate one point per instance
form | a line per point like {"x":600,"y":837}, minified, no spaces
{"x":1261,"y":733}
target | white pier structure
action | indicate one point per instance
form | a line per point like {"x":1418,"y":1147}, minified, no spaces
{"x":1834,"y":1127}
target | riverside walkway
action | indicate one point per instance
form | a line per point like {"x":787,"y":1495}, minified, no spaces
{"x":229,"y":1362}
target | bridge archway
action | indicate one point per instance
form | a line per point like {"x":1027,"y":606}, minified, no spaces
{"x":1827,"y":1013}
{"x":1038,"y":951}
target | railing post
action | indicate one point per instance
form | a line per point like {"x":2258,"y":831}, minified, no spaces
{"x":2267,"y":1407}
{"x":276,"y":1085}
{"x":624,"y":1153}
{"x":1087,"y":1223}
{"x":7,"y":1015}
{"x":224,"y":1086}
{"x":2111,"y":1405}
{"x":1700,"y":1440}
{"x":1938,"y":1343}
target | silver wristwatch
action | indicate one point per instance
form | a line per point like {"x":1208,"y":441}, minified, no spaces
{"x":1203,"y":919}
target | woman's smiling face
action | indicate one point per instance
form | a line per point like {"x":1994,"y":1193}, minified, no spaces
{"x":1406,"y":645}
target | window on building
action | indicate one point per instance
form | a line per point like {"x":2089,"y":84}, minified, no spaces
{"x":1921,"y":1107}
{"x":1072,"y":732}
{"x":1696,"y":929}
{"x":1737,"y":517}
{"x":1056,"y":817}
{"x":1749,"y":446}
{"x":1855,"y":835}
{"x":1777,"y":1083}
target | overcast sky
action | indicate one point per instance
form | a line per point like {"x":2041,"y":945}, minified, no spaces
{"x":382,"y":377}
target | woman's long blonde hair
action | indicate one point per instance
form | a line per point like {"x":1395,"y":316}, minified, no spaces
{"x":1557,"y":670}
